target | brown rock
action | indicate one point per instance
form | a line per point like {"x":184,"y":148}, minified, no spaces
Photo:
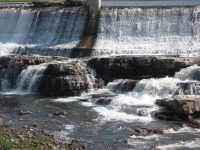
{"x":65,"y":79}
{"x":185,"y":107}
{"x":133,"y":67}
{"x":1,"y":122}
{"x":148,"y":131}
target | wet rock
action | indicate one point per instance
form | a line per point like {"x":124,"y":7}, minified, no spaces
{"x":102,"y":98}
{"x":185,"y":107}
{"x":127,"y":85}
{"x":103,"y":101}
{"x":60,"y":113}
{"x":124,"y":85}
{"x":132,"y":67}
{"x":21,"y":112}
{"x":100,"y":83}
{"x":1,"y":121}
{"x":163,"y":102}
{"x":11,"y":66}
{"x":194,"y":123}
{"x":63,"y":80}
{"x":149,"y":131}
{"x":188,"y":88}
{"x":164,"y":115}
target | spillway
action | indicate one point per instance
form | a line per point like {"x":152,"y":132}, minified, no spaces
{"x":149,"y":31}
{"x":45,"y":31}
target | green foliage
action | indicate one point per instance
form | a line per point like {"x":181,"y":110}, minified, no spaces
{"x":5,"y":144}
{"x":27,"y":140}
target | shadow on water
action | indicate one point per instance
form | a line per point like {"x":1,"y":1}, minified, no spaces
{"x":87,"y":42}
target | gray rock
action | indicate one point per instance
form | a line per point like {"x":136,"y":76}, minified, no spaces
{"x":63,"y":80}
{"x":11,"y":66}
{"x":1,"y":122}
{"x":133,"y":67}
{"x":60,"y":113}
{"x":185,"y":107}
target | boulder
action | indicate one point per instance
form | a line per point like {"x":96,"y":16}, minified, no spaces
{"x":164,"y":115}
{"x":63,"y":79}
{"x":148,"y":131}
{"x":1,"y":121}
{"x":185,"y":107}
{"x":133,"y":67}
{"x":102,"y":101}
{"x":67,"y":79}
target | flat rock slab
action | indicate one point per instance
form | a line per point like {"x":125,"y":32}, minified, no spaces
{"x":138,"y":67}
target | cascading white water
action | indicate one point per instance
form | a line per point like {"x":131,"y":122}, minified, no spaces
{"x":89,"y":74}
{"x":150,"y":31}
{"x":139,"y":103}
{"x":190,"y":73}
{"x":46,"y":31}
{"x":29,"y":79}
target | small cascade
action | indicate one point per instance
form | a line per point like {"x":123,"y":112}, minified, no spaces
{"x":121,"y":86}
{"x":140,"y":102}
{"x":89,"y":74}
{"x":155,"y":88}
{"x":189,"y":73}
{"x":149,"y":31}
{"x":4,"y":85}
{"x":29,"y":79}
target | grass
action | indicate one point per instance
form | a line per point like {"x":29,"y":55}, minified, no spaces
{"x":33,"y":140}
{"x":15,"y":0}
{"x":27,"y":140}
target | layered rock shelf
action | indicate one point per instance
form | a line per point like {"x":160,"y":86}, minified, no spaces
{"x":69,"y":78}
{"x":133,"y":67}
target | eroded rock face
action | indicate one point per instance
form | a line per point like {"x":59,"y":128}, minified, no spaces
{"x":11,"y":66}
{"x":63,"y":80}
{"x":130,"y":67}
{"x":184,"y":107}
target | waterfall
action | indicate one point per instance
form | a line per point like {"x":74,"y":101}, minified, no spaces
{"x":46,"y":31}
{"x":29,"y":79}
{"x":140,"y":102}
{"x":149,"y":31}
{"x":89,"y":74}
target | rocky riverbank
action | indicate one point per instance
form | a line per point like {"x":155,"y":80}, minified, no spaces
{"x":28,"y":139}
{"x":70,"y":78}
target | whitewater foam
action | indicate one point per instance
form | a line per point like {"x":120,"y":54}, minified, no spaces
{"x":138,"y":104}
{"x":144,"y":31}
{"x":46,"y":31}
{"x":29,"y":78}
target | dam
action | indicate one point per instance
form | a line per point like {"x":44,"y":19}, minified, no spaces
{"x":107,"y":73}
{"x":148,"y":3}
{"x":134,"y":30}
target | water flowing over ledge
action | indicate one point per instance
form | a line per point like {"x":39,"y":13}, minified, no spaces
{"x":101,"y":100}
{"x":148,"y":3}
{"x":41,"y":31}
{"x":148,"y":31}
